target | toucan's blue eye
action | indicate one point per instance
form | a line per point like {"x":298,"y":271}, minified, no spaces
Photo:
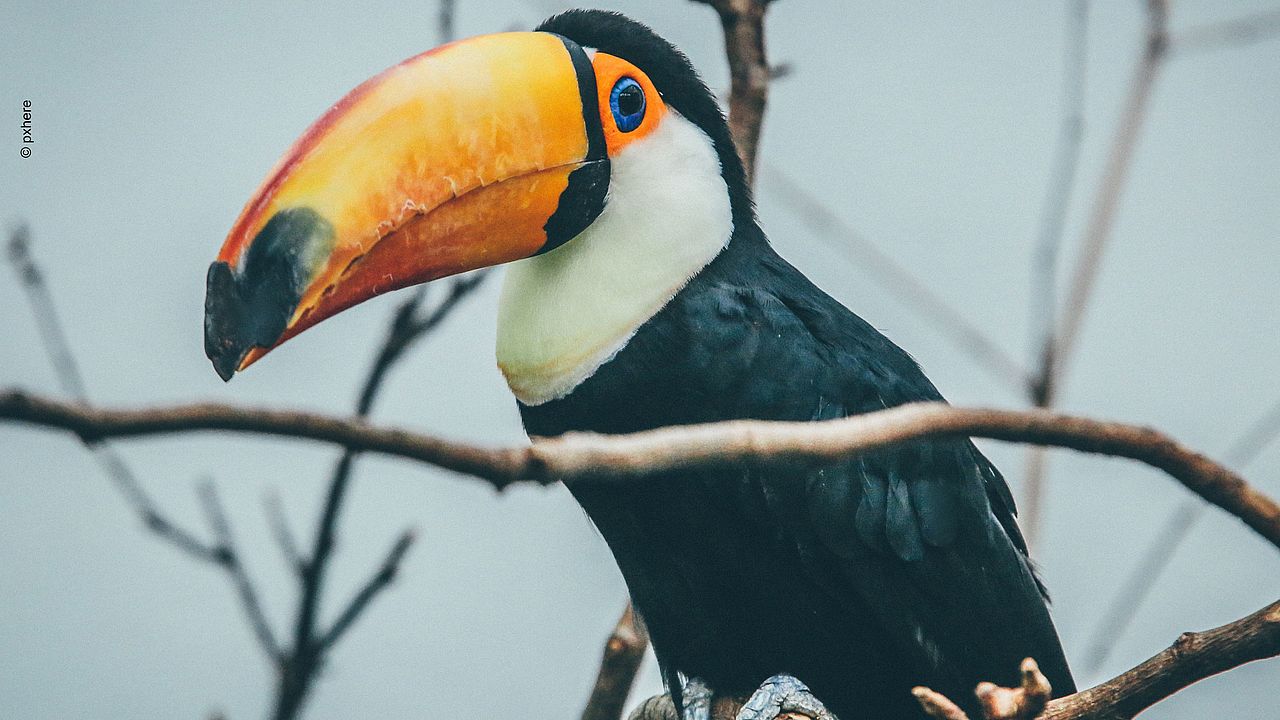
{"x":626,"y":100}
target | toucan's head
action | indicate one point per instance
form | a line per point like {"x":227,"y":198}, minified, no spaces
{"x":477,"y":153}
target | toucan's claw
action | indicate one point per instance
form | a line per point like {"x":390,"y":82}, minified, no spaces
{"x":782,"y":694}
{"x":696,"y":699}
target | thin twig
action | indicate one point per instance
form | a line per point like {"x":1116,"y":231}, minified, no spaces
{"x":62,"y":359}
{"x":586,"y":457}
{"x":1164,"y":545}
{"x":385,"y":573}
{"x":1062,"y":181}
{"x":1110,"y":189}
{"x":282,"y":533}
{"x":408,"y":325}
{"x":1058,"y":350}
{"x":1044,"y":286}
{"x":228,"y":556}
{"x":445,"y":21}
{"x":910,"y":290}
{"x":1229,"y":33}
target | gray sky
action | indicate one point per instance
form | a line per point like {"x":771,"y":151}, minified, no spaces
{"x":929,"y":127}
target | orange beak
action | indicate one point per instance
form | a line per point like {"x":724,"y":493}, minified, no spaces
{"x":476,"y":153}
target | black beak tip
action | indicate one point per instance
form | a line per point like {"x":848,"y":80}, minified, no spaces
{"x":223,"y":314}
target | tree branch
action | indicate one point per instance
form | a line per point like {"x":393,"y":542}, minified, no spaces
{"x":1190,"y":659}
{"x":578,"y":457}
{"x":283,"y":535}
{"x":228,"y":556}
{"x":749,"y":72}
{"x":621,"y":660}
{"x":381,"y":579}
{"x":1229,"y":33}
{"x":1161,"y":549}
{"x":1110,"y":189}
{"x":894,"y":278}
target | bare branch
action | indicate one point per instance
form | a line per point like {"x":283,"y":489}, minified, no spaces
{"x":622,"y":655}
{"x":57,"y":349}
{"x":283,"y":535}
{"x":228,"y":556}
{"x":1110,"y":189}
{"x":1230,"y":33}
{"x":578,"y":457}
{"x":1167,"y":541}
{"x":444,"y":21}
{"x":381,"y":579}
{"x":1044,"y":285}
{"x":749,"y":72}
{"x":1058,"y":349}
{"x":1192,"y":658}
{"x":1062,"y":180}
{"x":963,"y":334}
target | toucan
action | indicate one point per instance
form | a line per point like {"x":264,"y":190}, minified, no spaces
{"x":642,"y":293}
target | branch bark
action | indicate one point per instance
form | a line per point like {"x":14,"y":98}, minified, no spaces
{"x":749,"y":72}
{"x":1190,"y":659}
{"x":621,"y":660}
{"x":579,"y":457}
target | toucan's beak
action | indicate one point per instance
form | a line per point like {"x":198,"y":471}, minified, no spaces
{"x":453,"y":160}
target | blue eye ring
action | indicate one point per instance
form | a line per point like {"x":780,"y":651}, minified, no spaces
{"x":627,"y":102}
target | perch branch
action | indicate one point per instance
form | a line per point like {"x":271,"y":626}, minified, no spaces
{"x":1193,"y":657}
{"x":578,"y":457}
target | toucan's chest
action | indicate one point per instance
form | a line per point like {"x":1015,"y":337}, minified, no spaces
{"x":725,"y":347}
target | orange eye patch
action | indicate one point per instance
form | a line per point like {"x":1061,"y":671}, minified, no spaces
{"x":630,"y":107}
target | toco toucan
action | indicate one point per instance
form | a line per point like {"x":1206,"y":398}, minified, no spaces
{"x":641,"y":293}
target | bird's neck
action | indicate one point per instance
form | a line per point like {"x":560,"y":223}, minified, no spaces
{"x":565,"y":313}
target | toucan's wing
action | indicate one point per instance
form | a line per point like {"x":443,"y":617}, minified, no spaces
{"x":922,"y":536}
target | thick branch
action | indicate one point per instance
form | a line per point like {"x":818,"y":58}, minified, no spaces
{"x":581,"y":456}
{"x":622,"y":655}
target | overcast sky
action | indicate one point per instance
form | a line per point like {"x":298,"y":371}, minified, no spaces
{"x":928,"y":127}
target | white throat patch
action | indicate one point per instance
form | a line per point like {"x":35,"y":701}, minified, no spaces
{"x":564,"y":314}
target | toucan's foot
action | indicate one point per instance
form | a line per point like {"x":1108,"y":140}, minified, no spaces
{"x":782,"y":694}
{"x":697,"y":700}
